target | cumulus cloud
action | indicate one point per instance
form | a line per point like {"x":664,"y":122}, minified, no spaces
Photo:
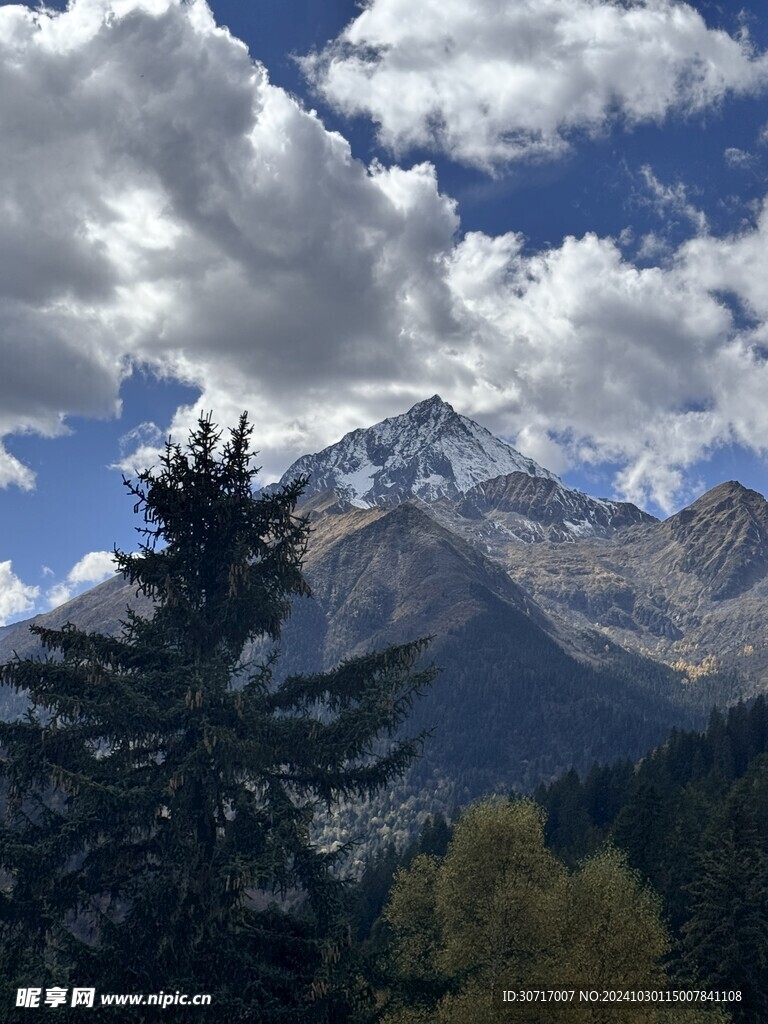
{"x":487,"y":83}
{"x":171,"y":208}
{"x":614,"y":360}
{"x":16,"y":597}
{"x":93,"y":568}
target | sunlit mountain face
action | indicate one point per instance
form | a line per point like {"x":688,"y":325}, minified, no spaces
{"x":428,"y":452}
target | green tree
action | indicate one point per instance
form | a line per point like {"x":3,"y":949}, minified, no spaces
{"x":725,"y":940}
{"x":500,"y":912}
{"x":417,"y":979}
{"x":161,"y":787}
{"x":613,"y":935}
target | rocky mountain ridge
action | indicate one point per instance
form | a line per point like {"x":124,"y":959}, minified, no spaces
{"x":691,"y":591}
{"x":469,"y":480}
{"x":517,"y":508}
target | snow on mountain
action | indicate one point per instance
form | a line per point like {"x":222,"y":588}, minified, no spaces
{"x":429,"y":452}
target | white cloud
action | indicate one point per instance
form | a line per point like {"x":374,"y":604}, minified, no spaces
{"x":626,"y":237}
{"x":165,"y":205}
{"x":616,"y":360}
{"x":140,"y":448}
{"x":15,"y":597}
{"x":59,"y":594}
{"x":91,"y":569}
{"x":488,"y":82}
{"x":740,"y":158}
{"x":12,"y":471}
{"x":653,"y":248}
{"x":672,"y":200}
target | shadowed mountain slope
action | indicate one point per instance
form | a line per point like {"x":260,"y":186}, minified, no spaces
{"x":518,"y":699}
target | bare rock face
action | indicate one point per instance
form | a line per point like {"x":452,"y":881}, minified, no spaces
{"x":519,"y":508}
{"x":723,"y":539}
{"x":691,"y":591}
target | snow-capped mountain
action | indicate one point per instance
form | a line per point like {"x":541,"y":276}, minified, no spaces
{"x":429,"y":452}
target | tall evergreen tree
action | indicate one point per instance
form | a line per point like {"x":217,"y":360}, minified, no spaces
{"x":161,"y":789}
{"x":725,"y":940}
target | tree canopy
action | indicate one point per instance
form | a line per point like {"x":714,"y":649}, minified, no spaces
{"x":501,"y":912}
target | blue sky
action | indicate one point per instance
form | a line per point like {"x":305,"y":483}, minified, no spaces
{"x":549,"y":212}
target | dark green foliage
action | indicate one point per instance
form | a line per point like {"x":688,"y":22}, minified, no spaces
{"x":160,"y":790}
{"x":725,"y":939}
{"x":693,"y":819}
{"x":435,"y":836}
{"x":568,"y":825}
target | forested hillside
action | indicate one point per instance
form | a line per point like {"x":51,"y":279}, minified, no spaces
{"x":689,"y":823}
{"x":693,"y":819}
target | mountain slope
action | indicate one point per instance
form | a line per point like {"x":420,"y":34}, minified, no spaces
{"x":513,"y":704}
{"x":724,"y":539}
{"x":517,"y":696}
{"x":691,"y":591}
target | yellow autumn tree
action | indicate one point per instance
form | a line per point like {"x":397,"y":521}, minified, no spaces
{"x":501,"y":913}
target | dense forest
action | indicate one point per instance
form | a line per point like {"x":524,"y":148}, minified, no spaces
{"x":687,"y":825}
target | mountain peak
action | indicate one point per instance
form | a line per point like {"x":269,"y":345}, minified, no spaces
{"x":435,"y":400}
{"x":729,"y":489}
{"x":723,"y":499}
{"x":723,"y":538}
{"x":432,"y":405}
{"x":428,"y":452}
